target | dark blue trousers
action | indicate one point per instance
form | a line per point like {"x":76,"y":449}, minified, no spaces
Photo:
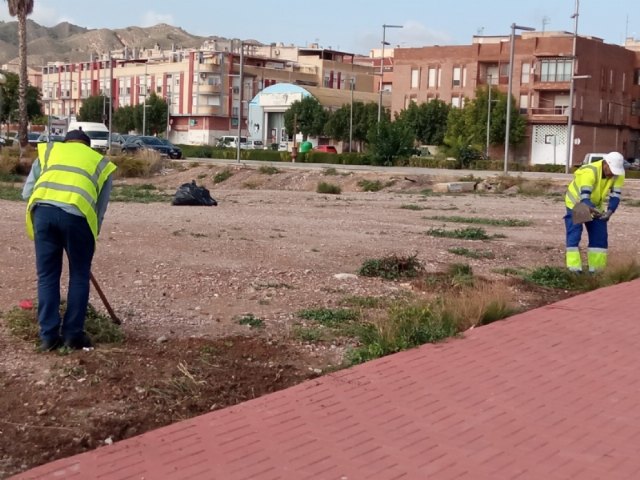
{"x":57,"y":231}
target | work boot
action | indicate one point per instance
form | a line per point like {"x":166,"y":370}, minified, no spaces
{"x":79,"y":343}
{"x":50,"y":344}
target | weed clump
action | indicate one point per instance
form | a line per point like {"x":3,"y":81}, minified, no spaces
{"x":328,"y":188}
{"x":329,"y":317}
{"x":23,"y":324}
{"x":391,"y":267}
{"x":268,"y":170}
{"x":476,"y":254}
{"x":220,"y":177}
{"x":469,"y":233}
{"x":251,"y":320}
{"x":370,"y":185}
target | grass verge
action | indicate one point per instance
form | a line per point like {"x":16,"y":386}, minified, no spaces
{"x":506,"y":222}
{"x":145,"y":193}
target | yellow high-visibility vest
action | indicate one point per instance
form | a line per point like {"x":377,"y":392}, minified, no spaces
{"x":74,"y":174}
{"x":588,"y":183}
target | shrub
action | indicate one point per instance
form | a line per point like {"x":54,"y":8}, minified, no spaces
{"x":370,"y":185}
{"x":268,"y":170}
{"x":328,"y":188}
{"x":391,"y":267}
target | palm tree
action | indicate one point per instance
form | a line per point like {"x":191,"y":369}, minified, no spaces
{"x":21,"y":9}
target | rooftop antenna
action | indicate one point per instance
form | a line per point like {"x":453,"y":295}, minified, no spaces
{"x":545,"y":21}
{"x":626,"y":30}
{"x":480,"y":31}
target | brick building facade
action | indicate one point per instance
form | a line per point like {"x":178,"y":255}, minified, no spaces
{"x":606,"y":109}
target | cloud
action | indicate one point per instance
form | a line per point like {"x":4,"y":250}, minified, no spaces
{"x":412,"y":34}
{"x":151,"y":18}
{"x":42,"y":14}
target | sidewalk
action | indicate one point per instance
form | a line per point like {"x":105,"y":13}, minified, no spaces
{"x":553,"y":393}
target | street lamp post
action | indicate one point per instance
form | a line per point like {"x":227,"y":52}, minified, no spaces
{"x":514,"y":27}
{"x":351,"y":118}
{"x":3,"y":80}
{"x":240,"y":102}
{"x":384,"y":42}
{"x":489,"y":79}
{"x":572,"y":88}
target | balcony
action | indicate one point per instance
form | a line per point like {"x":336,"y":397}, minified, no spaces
{"x":557,"y":114}
{"x":208,"y":89}
{"x":206,"y":110}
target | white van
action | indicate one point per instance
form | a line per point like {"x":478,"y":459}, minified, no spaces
{"x":97,"y":132}
{"x":231,"y":141}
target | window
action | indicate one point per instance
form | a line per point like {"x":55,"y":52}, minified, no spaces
{"x":636,"y":77}
{"x":431,"y":78}
{"x":415,"y":78}
{"x":635,"y":108}
{"x":457,"y":76}
{"x":524,"y":76}
{"x":455,"y":102}
{"x":524,"y":104}
{"x":624,"y":81}
{"x":555,"y":70}
{"x":464,"y":76}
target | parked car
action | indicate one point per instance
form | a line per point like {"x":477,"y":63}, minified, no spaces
{"x":175,"y":152}
{"x":97,"y":132}
{"x":136,"y":144}
{"x":118,"y":140}
{"x":594,"y":157}
{"x":32,"y":138}
{"x":44,"y":138}
{"x":326,"y":149}
{"x":231,"y":141}
{"x":254,"y":145}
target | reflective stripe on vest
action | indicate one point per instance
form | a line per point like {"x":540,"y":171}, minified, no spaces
{"x":73,"y":174}
{"x":573,"y":195}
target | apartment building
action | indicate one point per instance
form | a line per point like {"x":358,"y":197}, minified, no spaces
{"x":201,"y":87}
{"x":606,"y":107}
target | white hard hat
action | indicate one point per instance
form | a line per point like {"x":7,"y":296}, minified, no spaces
{"x":615,"y":161}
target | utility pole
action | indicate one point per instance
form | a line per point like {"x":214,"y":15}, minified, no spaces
{"x":144,"y":105}
{"x":384,"y":42}
{"x":486,"y":151}
{"x":240,"y":102}
{"x":572,"y":88}
{"x":110,"y":98}
{"x":351,"y":118}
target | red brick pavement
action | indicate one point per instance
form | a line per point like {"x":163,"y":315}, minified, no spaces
{"x":549,"y":394}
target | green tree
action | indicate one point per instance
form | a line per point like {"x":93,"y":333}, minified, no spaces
{"x":156,"y":116}
{"x":389,"y":140}
{"x":365,"y":116}
{"x":11,"y":99}
{"x":21,"y":9}
{"x":435,"y":114}
{"x":124,"y":119}
{"x":93,"y":108}
{"x":309,"y":117}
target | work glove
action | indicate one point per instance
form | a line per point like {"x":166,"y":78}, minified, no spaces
{"x":606,"y":216}
{"x":595,"y":213}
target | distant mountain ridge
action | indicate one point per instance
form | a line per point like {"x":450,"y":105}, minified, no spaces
{"x":70,"y":43}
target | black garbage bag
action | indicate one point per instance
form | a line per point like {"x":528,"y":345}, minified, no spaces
{"x":192,"y":194}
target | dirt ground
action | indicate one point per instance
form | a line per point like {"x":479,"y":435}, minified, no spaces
{"x":181,"y":277}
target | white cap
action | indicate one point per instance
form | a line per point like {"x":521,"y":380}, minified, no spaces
{"x":615,"y":161}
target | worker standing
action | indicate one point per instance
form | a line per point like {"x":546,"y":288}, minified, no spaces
{"x":592,"y":184}
{"x":68,"y":190}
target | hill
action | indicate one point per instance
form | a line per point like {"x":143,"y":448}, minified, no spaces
{"x":68,"y":42}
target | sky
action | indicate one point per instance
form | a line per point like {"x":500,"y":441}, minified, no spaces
{"x":350,"y":25}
